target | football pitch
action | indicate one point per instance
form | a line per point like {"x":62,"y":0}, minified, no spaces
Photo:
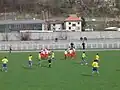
{"x":64,"y":74}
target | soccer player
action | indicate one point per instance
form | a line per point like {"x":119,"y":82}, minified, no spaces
{"x":95,"y":67}
{"x":49,"y":51}
{"x":10,"y":49}
{"x":73,"y":53}
{"x":65,"y":54}
{"x":53,"y":55}
{"x":97,"y":57}
{"x":30,"y":61}
{"x":84,"y":59}
{"x":83,"y":45}
{"x":46,"y":53}
{"x":4,"y":66}
{"x":39,"y":59}
{"x":43,"y":54}
{"x":49,"y":60}
{"x":70,"y":53}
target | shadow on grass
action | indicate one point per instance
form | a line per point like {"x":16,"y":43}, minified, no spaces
{"x":63,"y":59}
{"x":78,"y":63}
{"x":27,"y":67}
{"x":117,"y":69}
{"x":1,"y":70}
{"x":66,"y":59}
{"x":45,"y":66}
{"x":35,"y":64}
{"x":89,"y":65}
{"x":87,"y":75}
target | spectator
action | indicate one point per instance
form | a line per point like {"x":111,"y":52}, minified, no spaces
{"x":72,"y":45}
{"x":81,"y":38}
{"x":56,"y":39}
{"x":85,"y":38}
{"x":83,"y":46}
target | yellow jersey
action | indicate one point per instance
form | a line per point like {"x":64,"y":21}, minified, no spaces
{"x":83,"y":55}
{"x":97,"y":57}
{"x":30,"y":58}
{"x":5,"y":61}
{"x":95,"y":64}
{"x":53,"y":55}
{"x":39,"y":56}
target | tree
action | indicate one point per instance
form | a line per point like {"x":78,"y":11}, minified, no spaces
{"x":83,"y":23}
{"x":117,"y":4}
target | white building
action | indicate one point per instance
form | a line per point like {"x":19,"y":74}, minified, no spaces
{"x":73,"y":23}
{"x":56,"y":26}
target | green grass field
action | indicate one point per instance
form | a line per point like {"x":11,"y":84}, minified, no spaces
{"x":64,"y":74}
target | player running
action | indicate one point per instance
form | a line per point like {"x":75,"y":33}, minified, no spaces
{"x":46,"y":53}
{"x":53,"y":55}
{"x":95,"y":67}
{"x":4,"y":65}
{"x":39,"y":59}
{"x":49,"y":60}
{"x":84,"y":59}
{"x":74,"y":52}
{"x":30,"y":61}
{"x":65,"y":54}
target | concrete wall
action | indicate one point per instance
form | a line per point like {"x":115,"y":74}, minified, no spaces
{"x":63,"y":35}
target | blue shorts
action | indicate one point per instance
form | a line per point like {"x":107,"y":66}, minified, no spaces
{"x":95,"y":69}
{"x":4,"y":65}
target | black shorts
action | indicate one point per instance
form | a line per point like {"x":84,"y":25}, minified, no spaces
{"x":30,"y":62}
{"x":95,"y":69}
{"x":49,"y":61}
{"x":97,"y":60}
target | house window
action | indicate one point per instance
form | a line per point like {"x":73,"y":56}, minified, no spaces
{"x":69,"y":27}
{"x":69,"y":23}
{"x":78,"y":22}
{"x":74,"y":25}
{"x":78,"y":28}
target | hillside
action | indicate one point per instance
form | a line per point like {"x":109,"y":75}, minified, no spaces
{"x":53,"y":8}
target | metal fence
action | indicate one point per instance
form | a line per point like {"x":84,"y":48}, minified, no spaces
{"x":34,"y":46}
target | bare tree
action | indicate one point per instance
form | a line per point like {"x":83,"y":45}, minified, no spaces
{"x":58,"y":7}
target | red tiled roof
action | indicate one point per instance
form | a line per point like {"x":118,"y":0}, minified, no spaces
{"x":71,"y":18}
